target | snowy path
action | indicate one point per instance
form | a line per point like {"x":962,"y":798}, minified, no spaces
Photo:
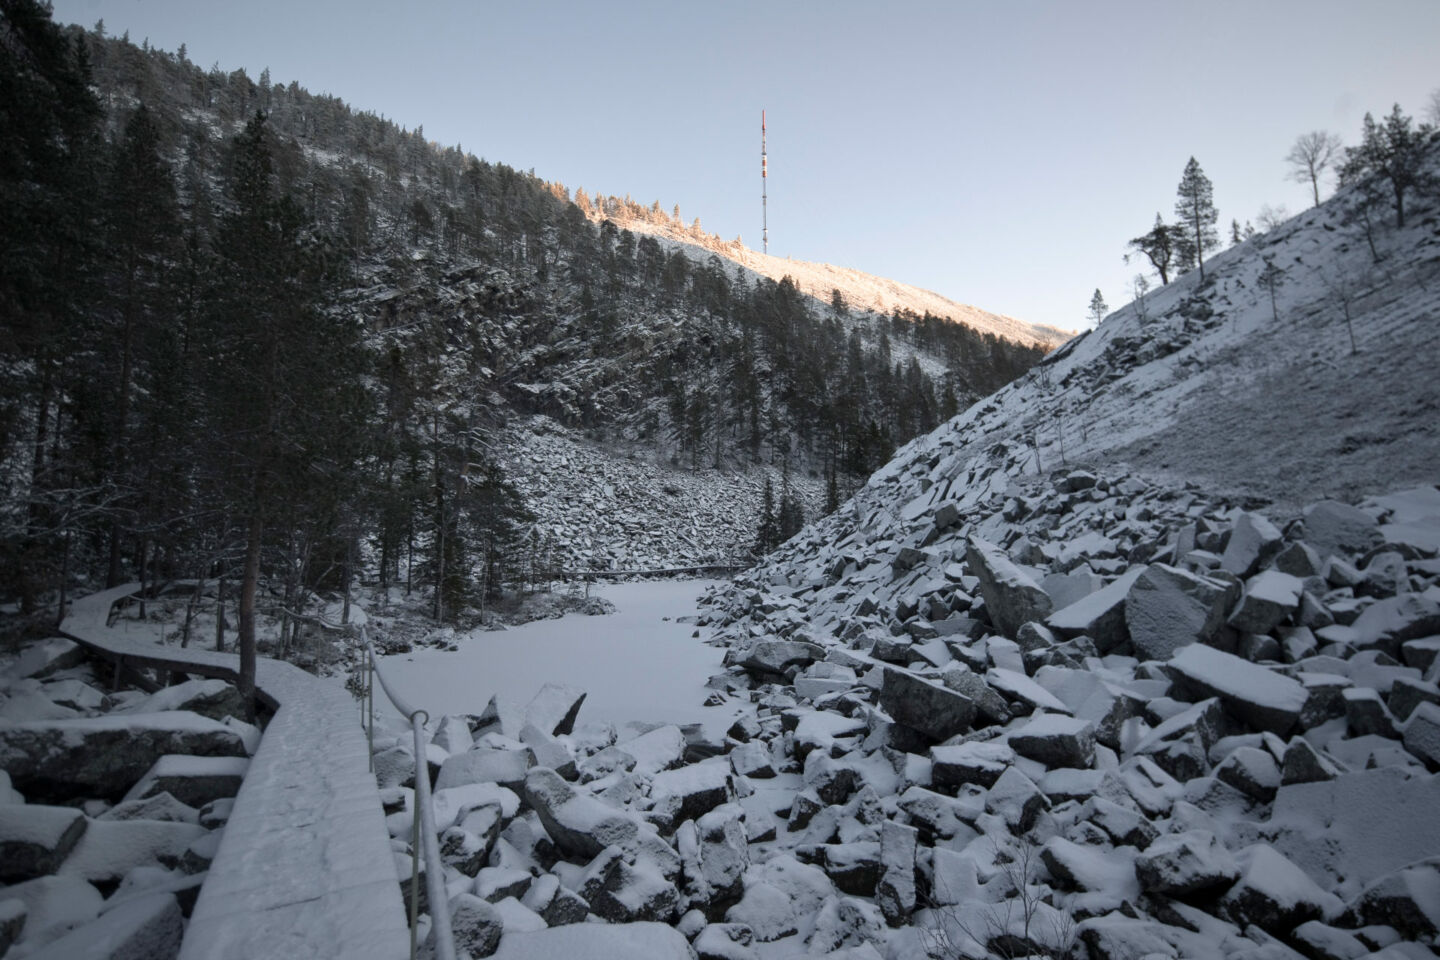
{"x":633,"y":664}
{"x":304,"y":867}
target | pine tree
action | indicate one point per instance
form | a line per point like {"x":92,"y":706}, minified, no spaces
{"x":1098,"y":308}
{"x":1195,"y":206}
{"x":1392,"y":152}
{"x":767,"y":535}
{"x":1158,"y":246}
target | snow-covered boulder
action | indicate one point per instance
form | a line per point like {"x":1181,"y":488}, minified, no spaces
{"x":104,"y":756}
{"x":1183,"y":863}
{"x":931,"y":709}
{"x":149,"y":926}
{"x":1261,"y":697}
{"x":194,"y":781}
{"x":36,"y":839}
{"x":1275,"y":894}
{"x":1167,"y":608}
{"x":1012,"y":597}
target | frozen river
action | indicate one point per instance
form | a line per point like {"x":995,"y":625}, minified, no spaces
{"x":633,"y":664}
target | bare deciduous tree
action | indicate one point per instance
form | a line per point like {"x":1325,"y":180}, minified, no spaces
{"x":1313,"y":154}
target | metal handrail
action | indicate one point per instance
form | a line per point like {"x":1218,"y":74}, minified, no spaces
{"x":423,"y":822}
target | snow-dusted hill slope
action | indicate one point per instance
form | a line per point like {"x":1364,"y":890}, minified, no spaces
{"x":863,"y":291}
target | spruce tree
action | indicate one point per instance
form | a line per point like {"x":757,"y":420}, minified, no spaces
{"x":1195,"y":206}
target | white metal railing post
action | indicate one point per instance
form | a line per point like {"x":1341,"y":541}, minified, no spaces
{"x":422,"y":824}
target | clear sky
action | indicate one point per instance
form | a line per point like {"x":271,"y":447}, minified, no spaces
{"x":1000,"y":153}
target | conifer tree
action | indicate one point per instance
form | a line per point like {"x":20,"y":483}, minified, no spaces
{"x":1393,"y":152}
{"x":1195,"y":206}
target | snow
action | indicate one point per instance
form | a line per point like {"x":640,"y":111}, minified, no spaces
{"x":109,"y":849}
{"x":632,"y":664}
{"x":149,"y":926}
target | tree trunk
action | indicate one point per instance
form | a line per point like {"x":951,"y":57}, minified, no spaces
{"x":220,"y":616}
{"x":249,"y":582}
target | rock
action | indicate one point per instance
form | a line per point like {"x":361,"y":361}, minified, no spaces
{"x":36,"y":839}
{"x":1299,"y":560}
{"x":40,"y":660}
{"x":770,"y":658}
{"x":687,"y":793}
{"x":592,"y":941}
{"x":467,"y":845}
{"x":1365,"y":714}
{"x":631,"y":893}
{"x":1275,"y":894}
{"x":1323,"y":942}
{"x":1180,"y":864}
{"x":1387,"y":624}
{"x":931,"y":709}
{"x":162,"y":806}
{"x":1422,"y":734}
{"x":1252,"y":771}
{"x":12,"y":921}
{"x":1167,"y":608}
{"x":895,"y":892}
{"x":1262,"y":698}
{"x":109,"y":849}
{"x":1101,"y":615}
{"x":1016,"y":799}
{"x":1012,"y":597}
{"x":714,"y":853}
{"x":585,"y":826}
{"x":1332,"y":527}
{"x":555,"y":904}
{"x":215,"y":699}
{"x":1124,"y":825}
{"x":1269,"y":597}
{"x":475,"y":925}
{"x":104,"y":756}
{"x":1253,"y":541}
{"x":974,"y":762}
{"x":752,"y":760}
{"x":1408,"y":900}
{"x":1055,"y":740}
{"x":194,"y":781}
{"x":990,"y":706}
{"x":1301,"y":764}
{"x":1088,"y":868}
{"x":493,"y":884}
{"x":847,"y":929}
{"x":553,"y":710}
{"x":143,"y":927}
{"x":725,"y":941}
{"x":1407,"y":693}
{"x":485,"y":765}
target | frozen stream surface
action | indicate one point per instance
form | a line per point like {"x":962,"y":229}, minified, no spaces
{"x":633,"y":664}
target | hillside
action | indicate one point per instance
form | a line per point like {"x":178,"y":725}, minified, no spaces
{"x":1147,"y":639}
{"x":861,"y":290}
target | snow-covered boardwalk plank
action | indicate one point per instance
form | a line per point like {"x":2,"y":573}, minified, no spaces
{"x":304,"y":867}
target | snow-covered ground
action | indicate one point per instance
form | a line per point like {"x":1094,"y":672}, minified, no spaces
{"x":634,"y":664}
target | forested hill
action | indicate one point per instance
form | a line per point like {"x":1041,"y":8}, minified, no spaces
{"x":252,"y":330}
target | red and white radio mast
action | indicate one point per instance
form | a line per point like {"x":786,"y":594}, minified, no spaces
{"x":764,"y":177}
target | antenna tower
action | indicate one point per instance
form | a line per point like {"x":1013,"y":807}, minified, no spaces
{"x":764,"y":200}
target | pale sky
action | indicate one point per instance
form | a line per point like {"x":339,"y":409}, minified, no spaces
{"x":999,"y":153}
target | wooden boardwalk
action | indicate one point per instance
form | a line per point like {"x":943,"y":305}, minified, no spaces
{"x":304,"y":867}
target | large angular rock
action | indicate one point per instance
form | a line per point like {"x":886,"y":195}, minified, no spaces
{"x":1099,"y":616}
{"x":1262,"y":698}
{"x":770,"y":658}
{"x":1422,"y":734}
{"x":194,"y":781}
{"x":597,"y":941}
{"x":953,"y":766}
{"x":1253,"y":541}
{"x":40,"y":660}
{"x":147,"y":926}
{"x":1012,"y":597}
{"x":895,"y":891}
{"x":690,"y":792}
{"x":1167,"y":608}
{"x":1055,"y":740}
{"x":554,"y":708}
{"x":1332,"y":527}
{"x":484,"y":765}
{"x":1408,"y":900}
{"x":36,"y":839}
{"x":103,"y":757}
{"x":1387,"y":624}
{"x":1275,"y":894}
{"x":933,"y":710}
{"x":585,"y":826}
{"x":1270,"y":596}
{"x":1180,"y":864}
{"x":215,"y":699}
{"x":475,"y":925}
